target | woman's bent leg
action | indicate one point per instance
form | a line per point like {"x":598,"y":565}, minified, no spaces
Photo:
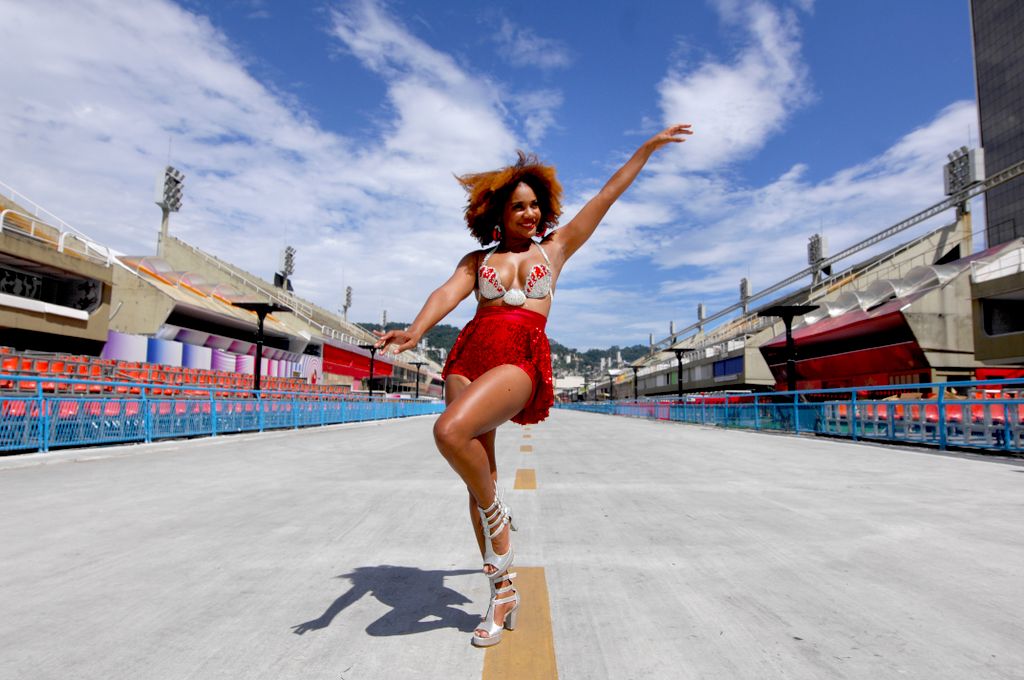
{"x":480,"y":407}
{"x":487,"y":441}
{"x":454,"y":386}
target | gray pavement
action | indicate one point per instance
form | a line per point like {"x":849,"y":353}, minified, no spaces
{"x":669,"y":551}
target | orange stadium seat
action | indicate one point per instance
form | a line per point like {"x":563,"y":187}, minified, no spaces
{"x":67,"y":409}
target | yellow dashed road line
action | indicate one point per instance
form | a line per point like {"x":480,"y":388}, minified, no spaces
{"x":526,"y":479}
{"x":528,"y":652}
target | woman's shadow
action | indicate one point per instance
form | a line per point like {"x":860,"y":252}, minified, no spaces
{"x":412,"y":594}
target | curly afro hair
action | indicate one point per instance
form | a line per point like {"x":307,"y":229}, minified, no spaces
{"x":490,"y":191}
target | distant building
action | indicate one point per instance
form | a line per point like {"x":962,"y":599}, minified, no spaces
{"x":998,"y":32}
{"x":997,"y":287}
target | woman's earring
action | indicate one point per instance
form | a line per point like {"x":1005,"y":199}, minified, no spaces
{"x":496,"y":236}
{"x":541,"y":230}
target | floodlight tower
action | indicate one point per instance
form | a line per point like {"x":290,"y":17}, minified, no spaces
{"x":817,"y":252}
{"x":744,"y":294}
{"x":167,"y":194}
{"x":283,"y":277}
{"x":348,"y":302}
{"x":966,"y":168}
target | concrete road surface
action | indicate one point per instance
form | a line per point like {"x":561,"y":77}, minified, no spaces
{"x":666,"y":551}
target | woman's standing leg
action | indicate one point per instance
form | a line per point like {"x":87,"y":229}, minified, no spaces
{"x":465,"y":436}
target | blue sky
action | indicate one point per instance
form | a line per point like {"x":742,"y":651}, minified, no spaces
{"x":335,"y":127}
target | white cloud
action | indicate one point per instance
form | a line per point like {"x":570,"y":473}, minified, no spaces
{"x":762,"y":232}
{"x":704,"y":231}
{"x":88,"y":114}
{"x":521,"y":46}
{"x":738,"y":105}
{"x":702,"y":234}
{"x":537,"y":110}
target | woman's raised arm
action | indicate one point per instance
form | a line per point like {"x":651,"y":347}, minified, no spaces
{"x":574,"y":234}
{"x":440,"y":303}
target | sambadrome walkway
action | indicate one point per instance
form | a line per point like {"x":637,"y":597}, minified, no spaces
{"x":647,"y":550}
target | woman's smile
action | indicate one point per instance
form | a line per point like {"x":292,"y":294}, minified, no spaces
{"x":522,"y":213}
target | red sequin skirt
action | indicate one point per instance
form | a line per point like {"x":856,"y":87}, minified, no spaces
{"x":501,"y":335}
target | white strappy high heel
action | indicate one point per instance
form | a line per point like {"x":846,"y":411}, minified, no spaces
{"x":488,"y":625}
{"x":493,"y":520}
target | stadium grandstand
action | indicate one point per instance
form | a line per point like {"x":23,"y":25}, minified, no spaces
{"x":73,"y":309}
{"x":917,"y":313}
{"x":101,"y":346}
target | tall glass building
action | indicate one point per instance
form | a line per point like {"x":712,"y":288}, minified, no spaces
{"x":998,"y":31}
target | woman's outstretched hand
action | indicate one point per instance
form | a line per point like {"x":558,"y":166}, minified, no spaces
{"x":672,"y":135}
{"x":395,"y":341}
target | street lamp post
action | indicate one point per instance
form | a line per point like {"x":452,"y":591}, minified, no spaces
{"x":679,"y":352}
{"x":417,"y":364}
{"x":261,"y":309}
{"x":786,"y":313}
{"x":373,"y":353}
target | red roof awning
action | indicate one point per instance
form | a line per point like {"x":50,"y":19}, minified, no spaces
{"x":339,"y":361}
{"x":855,"y":323}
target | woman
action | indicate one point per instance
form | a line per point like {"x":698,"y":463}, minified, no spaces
{"x":500,"y":366}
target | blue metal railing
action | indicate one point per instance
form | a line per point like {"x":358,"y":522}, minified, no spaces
{"x":970,"y":414}
{"x":53,"y":411}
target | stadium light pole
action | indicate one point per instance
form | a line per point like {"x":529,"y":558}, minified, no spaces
{"x":261,"y":309}
{"x":417,"y":364}
{"x":786,"y":313}
{"x":170,"y":184}
{"x":372,"y":349}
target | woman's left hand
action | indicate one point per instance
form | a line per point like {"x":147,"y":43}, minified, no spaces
{"x":672,"y":135}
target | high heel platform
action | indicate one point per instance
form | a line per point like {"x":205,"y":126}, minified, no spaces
{"x":499,"y":595}
{"x":493,"y":520}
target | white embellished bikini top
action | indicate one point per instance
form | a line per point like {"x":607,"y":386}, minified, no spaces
{"x":538,"y":283}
